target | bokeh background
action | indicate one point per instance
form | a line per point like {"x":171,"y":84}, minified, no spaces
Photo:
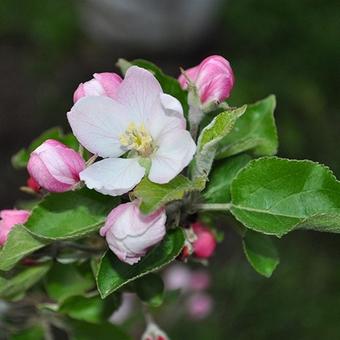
{"x":290,"y":48}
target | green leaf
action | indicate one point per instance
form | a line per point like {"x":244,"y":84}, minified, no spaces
{"x":33,"y":333}
{"x":223,"y":173}
{"x":254,"y":131}
{"x":274,"y":196}
{"x":11,"y":284}
{"x":64,"y":281}
{"x":104,"y":331}
{"x":169,"y":84}
{"x":114,"y":274}
{"x":261,"y":253}
{"x":150,"y":289}
{"x":92,"y":309}
{"x":210,"y":137}
{"x":154,"y":196}
{"x":70,"y":214}
{"x":20,"y":243}
{"x":20,"y":159}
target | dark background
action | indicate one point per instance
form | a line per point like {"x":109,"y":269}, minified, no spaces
{"x":289,"y":48}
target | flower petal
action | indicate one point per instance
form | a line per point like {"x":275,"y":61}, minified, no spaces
{"x":176,"y":150}
{"x":97,"y":122}
{"x":113,"y":176}
{"x":138,"y":91}
{"x":173,"y":108}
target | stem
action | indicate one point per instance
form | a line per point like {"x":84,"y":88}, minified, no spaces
{"x":212,"y":206}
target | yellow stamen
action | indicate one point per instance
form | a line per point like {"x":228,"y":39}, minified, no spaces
{"x":137,"y":139}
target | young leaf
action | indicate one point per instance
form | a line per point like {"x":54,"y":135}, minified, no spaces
{"x":169,"y":84}
{"x":254,"y":131}
{"x":71,"y":214}
{"x":150,"y":289}
{"x":113,"y":274}
{"x":154,"y":196}
{"x":261,"y":253}
{"x":210,"y":137}
{"x":20,"y":243}
{"x":92,"y":309}
{"x":11,"y":284}
{"x":274,"y":196}
{"x":20,"y":159}
{"x":65,"y":281}
{"x":223,"y":173}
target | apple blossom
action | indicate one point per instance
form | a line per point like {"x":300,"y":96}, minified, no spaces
{"x":141,"y":123}
{"x":199,"y":305}
{"x":213,"y":79}
{"x":205,"y":243}
{"x":177,"y":277}
{"x":10,"y":218}
{"x":54,"y":166}
{"x":199,"y":280}
{"x":130,"y":234}
{"x":102,"y":84}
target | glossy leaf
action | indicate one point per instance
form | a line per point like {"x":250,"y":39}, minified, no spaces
{"x":210,"y":137}
{"x":260,"y":252}
{"x":65,"y":281}
{"x":150,"y":289}
{"x":223,"y":173}
{"x":153,"y":195}
{"x":255,"y":131}
{"x":11,"y":284}
{"x":114,"y":274}
{"x":19,"y":244}
{"x":90,"y":309}
{"x":274,"y":196}
{"x":71,"y":214}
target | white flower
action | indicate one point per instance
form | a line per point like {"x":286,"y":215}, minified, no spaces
{"x":142,"y":123}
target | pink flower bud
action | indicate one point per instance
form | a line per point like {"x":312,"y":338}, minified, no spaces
{"x":213,"y":78}
{"x":32,"y":184}
{"x":130,"y":234}
{"x":10,"y":218}
{"x":55,"y":167}
{"x":200,"y":280}
{"x":102,"y":84}
{"x":205,"y":243}
{"x":153,"y":332}
{"x":199,"y":306}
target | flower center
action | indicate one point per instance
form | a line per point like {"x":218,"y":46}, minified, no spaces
{"x":137,"y":138}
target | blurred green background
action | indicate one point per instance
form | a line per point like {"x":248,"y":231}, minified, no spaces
{"x":290,"y":48}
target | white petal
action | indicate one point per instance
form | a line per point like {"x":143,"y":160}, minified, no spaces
{"x":176,"y":150}
{"x":173,"y":108}
{"x":138,"y":91}
{"x":97,"y":123}
{"x":113,"y":176}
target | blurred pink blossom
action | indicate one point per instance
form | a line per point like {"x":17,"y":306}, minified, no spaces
{"x":199,"y":305}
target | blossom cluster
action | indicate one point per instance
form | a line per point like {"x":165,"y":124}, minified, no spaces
{"x":136,"y":130}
